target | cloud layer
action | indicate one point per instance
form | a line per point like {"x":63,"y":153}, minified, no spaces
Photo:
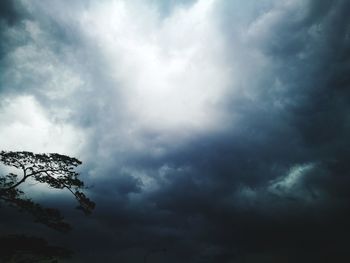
{"x":215,"y":129}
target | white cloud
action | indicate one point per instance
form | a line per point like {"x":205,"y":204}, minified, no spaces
{"x":143,"y":82}
{"x":264,"y":27}
{"x":289,"y":186}
{"x":291,"y":180}
{"x":170,"y":72}
{"x":25,"y":126}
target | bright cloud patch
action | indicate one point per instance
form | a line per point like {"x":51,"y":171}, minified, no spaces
{"x":25,"y":126}
{"x":292,"y":178}
{"x":171,"y":71}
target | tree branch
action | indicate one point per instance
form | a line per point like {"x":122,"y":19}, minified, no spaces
{"x":25,"y":176}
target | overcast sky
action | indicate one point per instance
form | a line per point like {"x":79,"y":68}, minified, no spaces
{"x":216,"y":129}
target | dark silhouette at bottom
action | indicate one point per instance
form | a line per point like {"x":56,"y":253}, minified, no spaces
{"x":26,"y":249}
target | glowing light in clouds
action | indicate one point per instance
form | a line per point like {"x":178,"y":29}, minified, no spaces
{"x":24,"y":126}
{"x":170,"y":70}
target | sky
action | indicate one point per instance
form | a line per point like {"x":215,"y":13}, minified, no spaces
{"x":216,"y":130}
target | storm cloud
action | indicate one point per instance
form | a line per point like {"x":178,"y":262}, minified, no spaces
{"x":217,"y":130}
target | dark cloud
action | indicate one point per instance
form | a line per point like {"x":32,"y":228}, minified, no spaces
{"x":311,"y":127}
{"x":272,"y":186}
{"x":10,"y":15}
{"x":8,"y":12}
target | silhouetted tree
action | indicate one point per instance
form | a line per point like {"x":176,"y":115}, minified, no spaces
{"x":55,"y":170}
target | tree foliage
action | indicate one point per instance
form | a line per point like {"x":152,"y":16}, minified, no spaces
{"x":55,"y":170}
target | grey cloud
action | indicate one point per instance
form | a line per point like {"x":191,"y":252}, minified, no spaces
{"x":9,"y":12}
{"x":219,"y":196}
{"x":167,"y":6}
